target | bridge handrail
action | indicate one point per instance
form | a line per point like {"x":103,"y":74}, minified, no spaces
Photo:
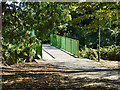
{"x":66,"y":44}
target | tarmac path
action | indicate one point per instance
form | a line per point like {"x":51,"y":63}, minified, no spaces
{"x":78,"y":67}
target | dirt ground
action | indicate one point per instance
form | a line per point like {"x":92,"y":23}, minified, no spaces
{"x":36,"y":76}
{"x":110,"y":64}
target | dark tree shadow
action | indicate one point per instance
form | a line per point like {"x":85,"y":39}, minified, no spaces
{"x":52,"y":80}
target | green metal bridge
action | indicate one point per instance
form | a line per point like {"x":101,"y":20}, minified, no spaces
{"x":67,"y":44}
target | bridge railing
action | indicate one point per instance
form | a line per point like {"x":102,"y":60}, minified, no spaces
{"x":38,"y":48}
{"x":64,"y":43}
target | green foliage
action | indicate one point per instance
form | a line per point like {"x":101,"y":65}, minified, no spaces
{"x":76,"y":20}
{"x":44,"y":18}
{"x":87,"y":18}
{"x":18,"y":45}
{"x":110,"y":53}
{"x":107,"y":53}
{"x":21,"y":51}
{"x":37,"y":16}
{"x":88,"y":53}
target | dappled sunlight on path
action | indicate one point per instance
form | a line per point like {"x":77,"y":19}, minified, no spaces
{"x":80,"y":67}
{"x":36,"y":76}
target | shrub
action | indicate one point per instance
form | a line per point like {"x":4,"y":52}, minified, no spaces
{"x":24,"y":50}
{"x":89,"y":53}
{"x":110,"y":52}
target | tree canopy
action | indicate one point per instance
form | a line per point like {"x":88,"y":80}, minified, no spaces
{"x":79,"y":20}
{"x":21,"y":18}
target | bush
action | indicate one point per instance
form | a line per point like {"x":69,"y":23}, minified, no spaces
{"x":111,"y":53}
{"x":20,"y":51}
{"x":89,"y":53}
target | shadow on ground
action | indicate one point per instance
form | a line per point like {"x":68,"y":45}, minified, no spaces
{"x":36,"y":76}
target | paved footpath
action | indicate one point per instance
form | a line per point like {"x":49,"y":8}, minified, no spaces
{"x":78,"y":67}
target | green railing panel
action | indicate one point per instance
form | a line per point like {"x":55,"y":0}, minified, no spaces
{"x":72,"y":47}
{"x":75,"y":47}
{"x":63,"y":43}
{"x":58,"y":41}
{"x":38,"y":48}
{"x":51,"y":39}
{"x":77,"y":43}
{"x":54,"y":40}
{"x":68,"y":44}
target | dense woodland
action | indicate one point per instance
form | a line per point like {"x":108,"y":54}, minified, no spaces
{"x":81,"y":21}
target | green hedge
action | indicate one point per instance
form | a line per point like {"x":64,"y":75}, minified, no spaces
{"x":109,"y":53}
